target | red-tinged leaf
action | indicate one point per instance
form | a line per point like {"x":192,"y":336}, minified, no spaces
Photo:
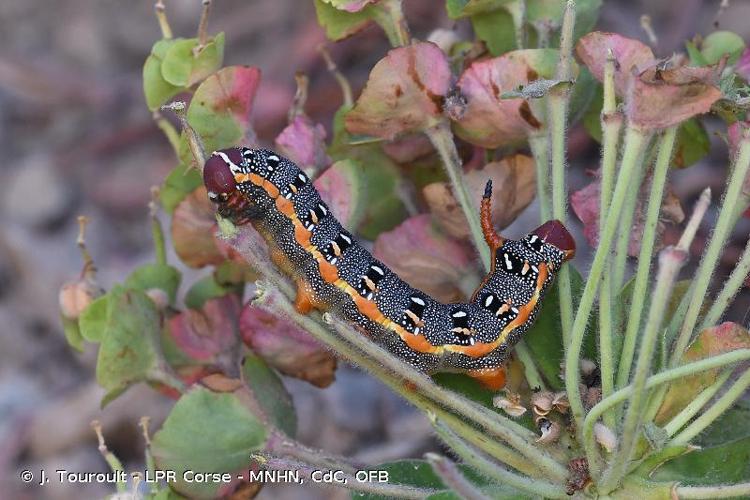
{"x":489,"y":120}
{"x":725,"y":337}
{"x":585,"y":203}
{"x":631,"y":56}
{"x":285,"y":347}
{"x":339,"y":24}
{"x":220,"y":109}
{"x":742,"y":68}
{"x":408,"y":148}
{"x":193,"y":228}
{"x":662,"y":98}
{"x":303,"y":142}
{"x":209,"y":334}
{"x":425,"y":258}
{"x":341,"y":187}
{"x":404,"y":93}
{"x":514,"y":187}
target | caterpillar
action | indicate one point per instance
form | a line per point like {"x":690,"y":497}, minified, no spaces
{"x":334,"y":272}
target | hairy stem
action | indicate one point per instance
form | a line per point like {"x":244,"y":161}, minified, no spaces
{"x":724,"y":224}
{"x":722,"y":360}
{"x":453,"y":478}
{"x":671,"y":261}
{"x":495,"y":471}
{"x":539,"y":145}
{"x":638,"y":299}
{"x":114,"y":463}
{"x":635,"y":139}
{"x":390,"y":16}
{"x":442,"y":138}
{"x":718,"y":491}
{"x":721,"y":405}
{"x":687,"y":413}
{"x":730,"y":289}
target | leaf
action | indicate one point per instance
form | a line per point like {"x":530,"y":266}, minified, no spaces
{"x":181,"y":67}
{"x":161,"y":276}
{"x":156,"y":89}
{"x":207,"y":432}
{"x":350,"y":5}
{"x":489,"y":120}
{"x":721,"y":43}
{"x":220,"y":109}
{"x":742,"y":68}
{"x":514,"y":183}
{"x":270,"y":393}
{"x":193,"y":229}
{"x":342,"y":187}
{"x":205,"y":289}
{"x":425,"y":258}
{"x":72,"y":333}
{"x":403,"y":93}
{"x":180,"y":182}
{"x":496,"y":29}
{"x":692,"y":145}
{"x":340,"y":24}
{"x":128,"y":351}
{"x":715,"y":340}
{"x":285,"y":347}
{"x":465,"y":8}
{"x":209,"y":334}
{"x":631,"y":56}
{"x":303,"y":142}
{"x":549,"y":13}
{"x":93,"y":319}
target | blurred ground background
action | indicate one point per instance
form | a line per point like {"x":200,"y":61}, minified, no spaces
{"x":76,"y":138}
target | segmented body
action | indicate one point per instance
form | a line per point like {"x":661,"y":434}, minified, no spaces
{"x":334,"y":272}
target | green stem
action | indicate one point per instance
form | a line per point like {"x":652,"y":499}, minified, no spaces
{"x":687,"y":413}
{"x":442,"y":138}
{"x":660,"y":378}
{"x":671,"y":261}
{"x":539,"y":145}
{"x":453,"y":478}
{"x":390,"y":16}
{"x":730,"y":289}
{"x":517,"y":11}
{"x":718,"y":491}
{"x":168,"y":129}
{"x":724,"y":224}
{"x":495,"y":471}
{"x":157,"y":232}
{"x":161,"y":17}
{"x":114,"y":463}
{"x":634,"y":141}
{"x":661,"y":168}
{"x":533,"y":377}
{"x":721,"y":405}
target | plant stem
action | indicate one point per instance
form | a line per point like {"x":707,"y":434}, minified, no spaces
{"x":715,"y":410}
{"x":390,"y":16}
{"x":661,"y":168}
{"x":730,"y":289}
{"x":168,"y":129}
{"x":442,"y":138}
{"x":114,"y":463}
{"x":718,"y":491}
{"x":203,"y":27}
{"x":724,"y":224}
{"x":660,"y":378}
{"x":157,"y":232}
{"x":494,"y":470}
{"x":682,"y":418}
{"x":558,"y":101}
{"x":634,"y":141}
{"x":446,"y":470}
{"x":611,"y":122}
{"x":346,"y":88}
{"x":161,"y":17}
{"x":517,"y":11}
{"x":539,"y":145}
{"x":533,"y":377}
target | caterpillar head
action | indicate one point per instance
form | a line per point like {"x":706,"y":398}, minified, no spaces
{"x":219,"y":173}
{"x":550,"y":237}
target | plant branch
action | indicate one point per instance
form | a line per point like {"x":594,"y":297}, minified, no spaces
{"x":715,"y":410}
{"x":661,"y":168}
{"x":346,"y":88}
{"x":157,"y":232}
{"x":446,"y":470}
{"x":724,"y":224}
{"x":687,"y":413}
{"x":390,"y":16}
{"x":161,"y":17}
{"x":539,"y":145}
{"x":730,"y":289}
{"x":718,"y":491}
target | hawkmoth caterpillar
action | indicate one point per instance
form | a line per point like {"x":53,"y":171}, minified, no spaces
{"x":333,"y":272}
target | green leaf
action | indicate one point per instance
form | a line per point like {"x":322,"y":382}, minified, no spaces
{"x":156,"y":89}
{"x":270,"y":393}
{"x":720,"y":43}
{"x":465,"y":8}
{"x":72,"y":332}
{"x":550,"y":13}
{"x":725,"y":463}
{"x":592,"y":120}
{"x":544,"y":338}
{"x":205,"y":289}
{"x":693,"y":143}
{"x":93,"y":319}
{"x":128,"y":351}
{"x":695,"y":55}
{"x":339,"y":24}
{"x":182,"y":68}
{"x":180,"y":182}
{"x":207,"y":432}
{"x":496,"y":29}
{"x":161,"y":276}
{"x":208,"y":60}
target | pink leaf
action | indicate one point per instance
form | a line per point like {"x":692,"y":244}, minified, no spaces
{"x":742,"y":68}
{"x":303,"y":142}
{"x":631,"y":56}
{"x":403,"y":93}
{"x":285,"y":347}
{"x":193,"y":228}
{"x":339,"y":186}
{"x":211,"y":333}
{"x":425,"y":258}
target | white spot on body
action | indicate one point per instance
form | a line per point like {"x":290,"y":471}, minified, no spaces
{"x":417,"y":300}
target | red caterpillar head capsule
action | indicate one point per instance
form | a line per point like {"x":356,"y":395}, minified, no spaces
{"x":218,"y":173}
{"x":555,"y":233}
